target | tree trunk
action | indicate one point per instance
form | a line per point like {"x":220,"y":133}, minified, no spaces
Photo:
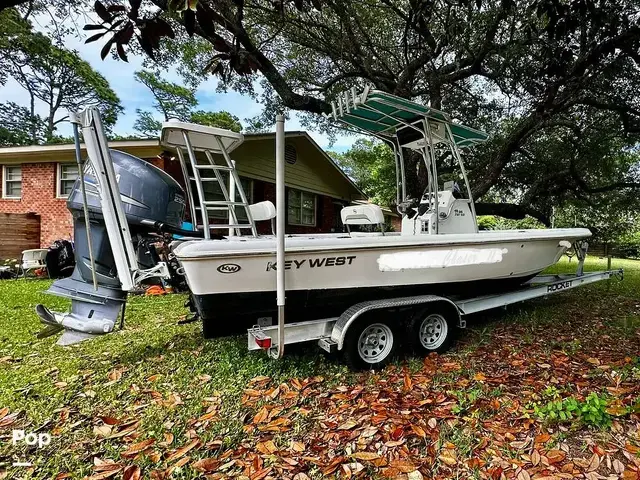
{"x":50,"y":128}
{"x":415,"y":173}
{"x":32,"y":119}
{"x":488,"y":179}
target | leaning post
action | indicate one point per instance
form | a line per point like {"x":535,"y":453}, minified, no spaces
{"x":280,"y":225}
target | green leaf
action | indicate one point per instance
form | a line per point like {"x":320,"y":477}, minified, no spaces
{"x":105,"y":49}
{"x":93,"y":27}
{"x":102,"y":12}
{"x":95,"y":37}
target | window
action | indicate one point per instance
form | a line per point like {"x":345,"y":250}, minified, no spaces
{"x":12,"y":182}
{"x":67,"y":175}
{"x":302,"y":208}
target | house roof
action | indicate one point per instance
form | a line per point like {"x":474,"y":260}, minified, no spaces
{"x":143,"y":148}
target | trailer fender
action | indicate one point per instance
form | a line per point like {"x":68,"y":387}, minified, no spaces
{"x":355,"y":311}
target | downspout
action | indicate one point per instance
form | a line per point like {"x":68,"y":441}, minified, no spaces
{"x":280,"y":225}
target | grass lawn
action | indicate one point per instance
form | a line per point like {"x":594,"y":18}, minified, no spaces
{"x":548,"y":389}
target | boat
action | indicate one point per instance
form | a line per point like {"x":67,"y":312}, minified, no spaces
{"x":439,"y":249}
{"x":122,"y":205}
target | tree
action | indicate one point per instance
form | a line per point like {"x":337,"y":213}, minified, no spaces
{"x":146,"y":124}
{"x":170,"y":99}
{"x":174,"y":101}
{"x":18,"y":125}
{"x":13,"y":29}
{"x":217,"y":119}
{"x":372,"y":166}
{"x":520,"y":68}
{"x":60,"y":79}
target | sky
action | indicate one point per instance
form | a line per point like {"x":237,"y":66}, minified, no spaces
{"x":134,"y":95}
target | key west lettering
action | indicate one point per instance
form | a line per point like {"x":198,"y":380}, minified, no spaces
{"x":313,"y":263}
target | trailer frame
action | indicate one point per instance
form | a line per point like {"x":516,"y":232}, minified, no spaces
{"x":330,"y":333}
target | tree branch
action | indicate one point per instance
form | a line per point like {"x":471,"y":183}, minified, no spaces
{"x":511,"y":210}
{"x":289,"y":98}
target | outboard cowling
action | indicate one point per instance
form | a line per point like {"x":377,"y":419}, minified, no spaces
{"x":149,"y":195}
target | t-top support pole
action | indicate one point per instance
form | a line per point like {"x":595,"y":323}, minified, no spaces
{"x":280,"y":225}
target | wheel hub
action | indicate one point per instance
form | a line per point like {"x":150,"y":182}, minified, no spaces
{"x":433,"y":331}
{"x":375,"y":343}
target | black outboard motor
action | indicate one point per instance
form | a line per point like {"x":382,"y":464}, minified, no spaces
{"x":152,"y":200}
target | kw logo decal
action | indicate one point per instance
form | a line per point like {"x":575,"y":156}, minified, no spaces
{"x":229,"y":268}
{"x":314,"y":263}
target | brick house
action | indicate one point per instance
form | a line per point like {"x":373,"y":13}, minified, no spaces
{"x":38,"y":179}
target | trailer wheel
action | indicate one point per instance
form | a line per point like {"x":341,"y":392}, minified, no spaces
{"x":432,"y":329}
{"x":370,"y":343}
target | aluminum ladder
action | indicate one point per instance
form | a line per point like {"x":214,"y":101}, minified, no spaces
{"x":192,"y":171}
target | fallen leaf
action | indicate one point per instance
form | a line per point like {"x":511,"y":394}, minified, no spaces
{"x":594,"y":463}
{"x":407,"y":382}
{"x":110,"y":420}
{"x":102,"y":430}
{"x":206,"y":465}
{"x":260,"y":474}
{"x":555,"y":456}
{"x":448,"y":458}
{"x":132,"y":472}
{"x":368,"y":456}
{"x":297,"y":446}
{"x":181,"y":452}
{"x":267,"y":447}
{"x":168,"y":439}
{"x":136,"y":448}
{"x":348,"y":425}
{"x":618,"y":466}
{"x":261,"y":416}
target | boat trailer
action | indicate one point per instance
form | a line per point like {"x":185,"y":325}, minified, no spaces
{"x":333,"y":334}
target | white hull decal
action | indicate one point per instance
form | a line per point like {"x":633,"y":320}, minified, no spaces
{"x":399,"y":261}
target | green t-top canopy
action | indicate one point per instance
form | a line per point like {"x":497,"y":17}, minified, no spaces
{"x":383,"y":114}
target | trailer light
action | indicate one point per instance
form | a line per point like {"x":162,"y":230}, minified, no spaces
{"x":264,"y":343}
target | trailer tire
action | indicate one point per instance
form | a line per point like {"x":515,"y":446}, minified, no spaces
{"x":433,"y":329}
{"x":370,"y":343}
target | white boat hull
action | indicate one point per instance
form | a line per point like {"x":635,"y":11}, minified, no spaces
{"x":233,"y":281}
{"x":329,"y":262}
